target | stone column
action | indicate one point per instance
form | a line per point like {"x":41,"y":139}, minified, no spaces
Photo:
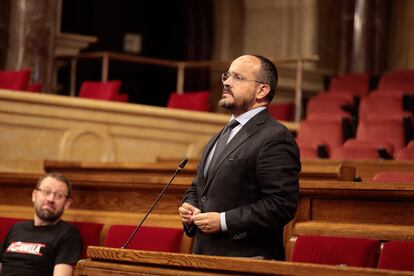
{"x":364,"y":35}
{"x":31,"y":38}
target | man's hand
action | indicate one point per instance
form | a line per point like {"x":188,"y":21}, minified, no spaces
{"x":186,"y":211}
{"x":207,"y":222}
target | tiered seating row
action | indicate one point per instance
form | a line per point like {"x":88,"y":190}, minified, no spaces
{"x":338,"y":127}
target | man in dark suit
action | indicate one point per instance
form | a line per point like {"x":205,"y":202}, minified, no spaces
{"x":246,"y":191}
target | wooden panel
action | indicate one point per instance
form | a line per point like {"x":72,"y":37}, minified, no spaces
{"x":102,"y":193}
{"x":366,"y":211}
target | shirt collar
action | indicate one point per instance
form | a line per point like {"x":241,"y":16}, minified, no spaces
{"x":245,"y":117}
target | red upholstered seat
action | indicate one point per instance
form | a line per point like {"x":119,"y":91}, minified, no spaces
{"x":15,"y":80}
{"x":5,"y":224}
{"x":312,"y":134}
{"x":34,"y":87}
{"x":397,"y":80}
{"x":405,"y":154}
{"x":326,"y":103}
{"x":393,"y":177}
{"x":147,"y":238}
{"x":398,"y":255}
{"x":100,"y":90}
{"x":196,"y":101}
{"x":281,"y":111}
{"x":369,"y":144}
{"x":356,"y":84}
{"x":380,"y":106}
{"x":90,"y":232}
{"x":336,"y":251}
{"x":387,"y":130}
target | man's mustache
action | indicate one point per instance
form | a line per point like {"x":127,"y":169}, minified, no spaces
{"x":227,"y":90}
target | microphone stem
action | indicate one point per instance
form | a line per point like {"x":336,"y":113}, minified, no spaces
{"x":152,"y":207}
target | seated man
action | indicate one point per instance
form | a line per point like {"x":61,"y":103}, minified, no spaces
{"x":46,"y":245}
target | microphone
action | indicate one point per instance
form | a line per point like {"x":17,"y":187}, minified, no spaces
{"x":179,"y":168}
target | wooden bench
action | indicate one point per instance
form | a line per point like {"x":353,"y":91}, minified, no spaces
{"x":365,"y":169}
{"x":124,"y":169}
{"x":354,"y":209}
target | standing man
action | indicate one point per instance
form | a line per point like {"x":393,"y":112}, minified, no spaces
{"x":246,"y":188}
{"x":46,"y":245}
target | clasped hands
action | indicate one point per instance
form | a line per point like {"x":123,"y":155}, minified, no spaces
{"x":208,"y":222}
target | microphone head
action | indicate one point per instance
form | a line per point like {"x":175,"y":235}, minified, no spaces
{"x":183,"y":163}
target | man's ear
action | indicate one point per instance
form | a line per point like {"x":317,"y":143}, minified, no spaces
{"x":67,"y":203}
{"x":34,"y":195}
{"x":264,"y":89}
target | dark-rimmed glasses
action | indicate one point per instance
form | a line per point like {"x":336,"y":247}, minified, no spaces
{"x":236,"y":77}
{"x":58,"y":194}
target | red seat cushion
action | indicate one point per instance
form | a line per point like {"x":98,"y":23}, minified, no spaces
{"x":100,"y":90}
{"x":147,"y":238}
{"x":15,"y":80}
{"x":397,"y":255}
{"x":197,"y":101}
{"x":336,"y":251}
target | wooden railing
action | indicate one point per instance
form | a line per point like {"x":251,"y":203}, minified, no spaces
{"x":181,"y":66}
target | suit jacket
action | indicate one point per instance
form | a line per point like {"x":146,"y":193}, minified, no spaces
{"x":255,"y":182}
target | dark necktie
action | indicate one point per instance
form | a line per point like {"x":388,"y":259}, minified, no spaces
{"x":222,"y":142}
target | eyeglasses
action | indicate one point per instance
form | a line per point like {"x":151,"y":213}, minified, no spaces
{"x":236,"y":77}
{"x":58,"y":194}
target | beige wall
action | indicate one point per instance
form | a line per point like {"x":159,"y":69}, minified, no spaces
{"x":35,"y":127}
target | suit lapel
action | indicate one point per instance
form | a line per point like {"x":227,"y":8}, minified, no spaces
{"x":252,"y":126}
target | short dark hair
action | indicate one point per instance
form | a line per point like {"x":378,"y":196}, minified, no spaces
{"x":58,"y":177}
{"x":268,"y":75}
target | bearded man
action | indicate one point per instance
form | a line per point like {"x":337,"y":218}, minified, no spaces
{"x":45,"y":245}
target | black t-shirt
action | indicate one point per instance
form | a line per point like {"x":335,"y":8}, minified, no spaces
{"x":35,"y":250}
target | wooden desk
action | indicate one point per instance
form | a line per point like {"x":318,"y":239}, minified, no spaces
{"x":126,"y":169}
{"x":110,"y":261}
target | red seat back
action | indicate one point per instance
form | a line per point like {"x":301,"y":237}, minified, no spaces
{"x":90,"y":233}
{"x":281,"y":111}
{"x":147,"y":238}
{"x":397,"y":80}
{"x":316,"y":133}
{"x":343,"y":153}
{"x":15,"y":80}
{"x":398,"y":255}
{"x":5,"y":224}
{"x":34,"y":87}
{"x":389,"y":130}
{"x":100,"y":90}
{"x":357,"y":84}
{"x":196,"y":101}
{"x":405,"y":154}
{"x":336,"y":251}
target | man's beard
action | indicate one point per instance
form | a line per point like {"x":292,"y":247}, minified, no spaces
{"x":48,"y":216}
{"x":227,"y":103}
